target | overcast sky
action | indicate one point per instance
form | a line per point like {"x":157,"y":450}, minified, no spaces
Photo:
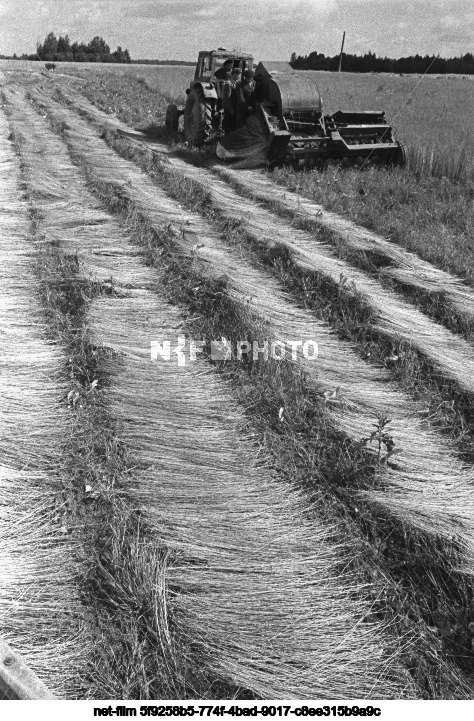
{"x":270,"y":29}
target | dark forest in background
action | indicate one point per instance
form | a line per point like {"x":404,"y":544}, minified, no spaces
{"x":370,"y":63}
{"x":97,"y":51}
{"x":61,"y":49}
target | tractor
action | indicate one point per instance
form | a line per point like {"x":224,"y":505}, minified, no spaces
{"x":290,"y":118}
{"x":203,"y":111}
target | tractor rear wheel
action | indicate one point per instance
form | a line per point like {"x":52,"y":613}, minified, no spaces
{"x":172,"y":119}
{"x":197,"y":118}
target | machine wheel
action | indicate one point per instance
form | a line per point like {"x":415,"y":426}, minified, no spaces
{"x":172,"y":118}
{"x":401,"y":155}
{"x":197,"y":118}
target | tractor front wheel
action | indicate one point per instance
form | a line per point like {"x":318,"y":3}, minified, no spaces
{"x":197,"y":118}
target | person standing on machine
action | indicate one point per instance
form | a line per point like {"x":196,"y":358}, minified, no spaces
{"x":229,"y":100}
{"x":244,"y":95}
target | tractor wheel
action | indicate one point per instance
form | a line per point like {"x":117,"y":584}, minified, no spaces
{"x":401,"y":155}
{"x":197,"y":118}
{"x":172,"y":119}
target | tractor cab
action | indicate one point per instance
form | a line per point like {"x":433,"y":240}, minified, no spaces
{"x":211,"y":60}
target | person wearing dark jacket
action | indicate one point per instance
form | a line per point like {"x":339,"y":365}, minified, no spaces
{"x":230,"y":91}
{"x":224,"y":72}
{"x":222,"y":77}
{"x":257,"y":95}
{"x":244,"y":97}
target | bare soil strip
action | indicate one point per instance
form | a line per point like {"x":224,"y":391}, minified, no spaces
{"x":256,"y":585}
{"x":41,"y":615}
{"x":427,"y":486}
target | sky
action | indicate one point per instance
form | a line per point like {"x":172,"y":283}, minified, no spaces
{"x":269,"y":29}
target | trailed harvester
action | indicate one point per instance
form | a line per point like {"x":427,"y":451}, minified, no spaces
{"x":292,"y":114}
{"x":289,"y":107}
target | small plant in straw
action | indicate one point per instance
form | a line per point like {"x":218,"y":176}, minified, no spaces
{"x":380,"y":442}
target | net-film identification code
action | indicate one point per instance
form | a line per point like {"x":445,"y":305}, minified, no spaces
{"x":199,"y":710}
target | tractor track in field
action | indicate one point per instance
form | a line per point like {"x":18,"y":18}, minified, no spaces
{"x":258,"y":599}
{"x":426,"y":462}
{"x":42,"y":617}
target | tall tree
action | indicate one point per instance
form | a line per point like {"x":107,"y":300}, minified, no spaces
{"x":99,"y":49}
{"x":48,"y":50}
{"x":64,"y":45}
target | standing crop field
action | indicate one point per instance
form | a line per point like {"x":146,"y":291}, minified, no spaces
{"x":428,"y":112}
{"x":250,"y":523}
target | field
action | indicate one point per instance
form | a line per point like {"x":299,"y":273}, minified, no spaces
{"x":259,"y":524}
{"x":429,"y":113}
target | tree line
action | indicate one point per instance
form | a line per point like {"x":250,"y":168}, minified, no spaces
{"x":61,"y":49}
{"x":370,"y":63}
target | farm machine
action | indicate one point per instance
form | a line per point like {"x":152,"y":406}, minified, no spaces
{"x":290,"y":110}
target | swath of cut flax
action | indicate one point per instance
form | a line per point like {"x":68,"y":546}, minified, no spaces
{"x":397,"y":318}
{"x":41,"y":612}
{"x":429,"y":487}
{"x":261,"y":594}
{"x":408,"y":268}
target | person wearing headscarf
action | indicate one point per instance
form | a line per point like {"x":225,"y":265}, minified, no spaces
{"x":230,"y":100}
{"x":244,"y":94}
